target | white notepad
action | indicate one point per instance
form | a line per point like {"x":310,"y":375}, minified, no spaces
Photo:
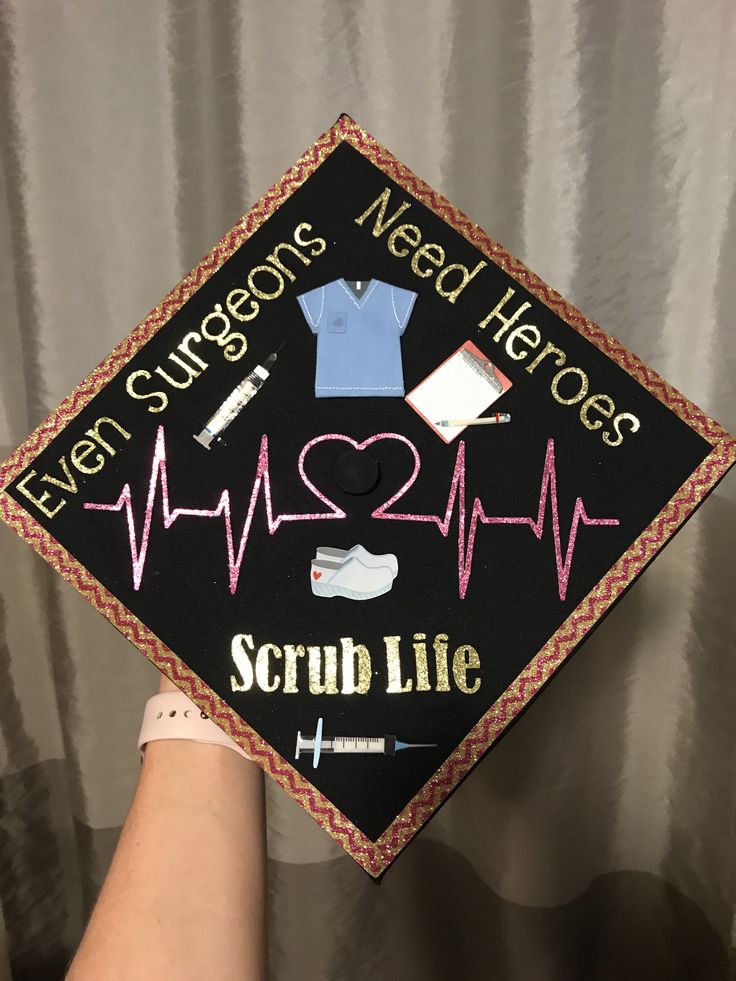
{"x":462,"y":387}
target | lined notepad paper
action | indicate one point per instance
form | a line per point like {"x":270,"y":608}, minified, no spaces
{"x":462,"y":387}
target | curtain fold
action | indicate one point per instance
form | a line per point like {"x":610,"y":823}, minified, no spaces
{"x":595,"y":139}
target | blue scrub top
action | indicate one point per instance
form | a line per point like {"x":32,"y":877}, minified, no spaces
{"x":358,"y":339}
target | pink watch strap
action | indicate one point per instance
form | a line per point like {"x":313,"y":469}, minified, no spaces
{"x":171,"y":715}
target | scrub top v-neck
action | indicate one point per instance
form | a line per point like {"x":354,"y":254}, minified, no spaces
{"x":358,"y":338}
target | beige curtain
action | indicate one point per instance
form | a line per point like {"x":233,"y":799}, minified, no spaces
{"x":594,"y":139}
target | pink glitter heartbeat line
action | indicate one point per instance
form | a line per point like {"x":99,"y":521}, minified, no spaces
{"x":466,"y":546}
{"x":159,"y":478}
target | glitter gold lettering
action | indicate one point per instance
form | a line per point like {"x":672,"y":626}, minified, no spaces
{"x":602,"y":404}
{"x":263,"y":667}
{"x":351,"y":665}
{"x":465,"y":277}
{"x":266,"y":281}
{"x":381,"y":223}
{"x":319,"y":243}
{"x":291,"y":653}
{"x":234,"y":344}
{"x":393,"y":668}
{"x":406,"y":233}
{"x":94,"y":432}
{"x":235,"y":300}
{"x":420,"y":656}
{"x":465,"y":659}
{"x":433,"y":253}
{"x":412,"y":236}
{"x":440,"y":660}
{"x":215,"y":314}
{"x":191,"y":373}
{"x":66,"y":480}
{"x":274,"y":259}
{"x":242,"y":663}
{"x":351,"y":651}
{"x":81,"y":450}
{"x":634,"y":425}
{"x":323,"y":661}
{"x":70,"y":484}
{"x":162,"y":397}
{"x":548,"y":349}
{"x":497,"y":315}
{"x":39,"y":502}
{"x":261,"y":294}
{"x":583,"y":391}
{"x":529,"y":334}
{"x":193,"y":335}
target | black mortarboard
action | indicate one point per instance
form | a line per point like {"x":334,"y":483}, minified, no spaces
{"x":361,"y":594}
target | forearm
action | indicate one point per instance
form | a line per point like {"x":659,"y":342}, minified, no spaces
{"x":185,"y":894}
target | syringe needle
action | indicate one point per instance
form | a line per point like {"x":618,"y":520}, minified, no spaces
{"x":388,"y":745}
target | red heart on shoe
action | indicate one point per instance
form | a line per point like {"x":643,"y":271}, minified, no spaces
{"x":317,"y":575}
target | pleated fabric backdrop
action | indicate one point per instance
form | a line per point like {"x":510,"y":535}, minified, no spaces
{"x":595,"y":140}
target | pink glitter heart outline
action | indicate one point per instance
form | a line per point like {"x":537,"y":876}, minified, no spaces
{"x":380,"y":511}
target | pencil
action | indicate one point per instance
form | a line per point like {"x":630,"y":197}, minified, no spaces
{"x":480,"y":421}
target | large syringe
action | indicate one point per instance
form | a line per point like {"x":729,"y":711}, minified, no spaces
{"x":236,"y":400}
{"x":388,"y":745}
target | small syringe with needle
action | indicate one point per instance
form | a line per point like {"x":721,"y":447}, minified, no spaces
{"x":388,"y":745}
{"x":236,"y":400}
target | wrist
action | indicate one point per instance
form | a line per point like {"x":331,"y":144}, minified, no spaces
{"x":166,"y":684}
{"x":187,"y":754}
{"x":171,"y":716}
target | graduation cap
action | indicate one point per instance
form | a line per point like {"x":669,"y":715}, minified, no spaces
{"x":360,"y":484}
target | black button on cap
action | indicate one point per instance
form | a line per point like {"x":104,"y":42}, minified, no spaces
{"x":356,"y":472}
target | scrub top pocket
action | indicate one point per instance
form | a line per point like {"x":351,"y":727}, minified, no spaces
{"x":337,"y":322}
